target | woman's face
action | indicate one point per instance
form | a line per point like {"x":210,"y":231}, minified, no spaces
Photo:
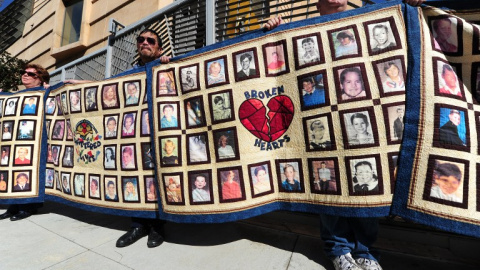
{"x":109,"y":153}
{"x":380,"y":35}
{"x":93,"y":187}
{"x":169,"y":147}
{"x":111,"y":125}
{"x":21,"y":153}
{"x":130,"y":187}
{"x":261,"y":175}
{"x":359,"y":125}
{"x":392,"y":71}
{"x":352,"y":85}
{"x":364,"y":174}
{"x":231,"y":175}
{"x":345,"y":41}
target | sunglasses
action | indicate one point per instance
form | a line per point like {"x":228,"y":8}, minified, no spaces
{"x":31,"y":74}
{"x":150,"y":40}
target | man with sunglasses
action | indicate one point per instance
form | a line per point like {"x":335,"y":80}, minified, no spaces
{"x":32,"y":76}
{"x":348,"y":240}
{"x":149,"y":47}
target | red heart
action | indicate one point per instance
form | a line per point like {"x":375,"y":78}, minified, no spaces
{"x":267,"y":126}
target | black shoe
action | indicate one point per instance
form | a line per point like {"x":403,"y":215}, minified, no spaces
{"x":131,"y":236}
{"x":155,"y":239}
{"x":20,"y":215}
{"x":6,"y":215}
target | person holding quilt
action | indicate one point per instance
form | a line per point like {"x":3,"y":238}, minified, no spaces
{"x":348,"y":240}
{"x":32,"y":76}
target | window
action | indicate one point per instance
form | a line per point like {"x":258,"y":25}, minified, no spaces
{"x":72,"y":22}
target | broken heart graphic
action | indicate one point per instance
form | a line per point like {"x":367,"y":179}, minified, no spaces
{"x":267,"y":126}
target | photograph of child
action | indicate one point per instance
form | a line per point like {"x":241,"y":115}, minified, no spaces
{"x":66,"y":183}
{"x":312,"y":90}
{"x":111,"y":189}
{"x":364,"y":172}
{"x":358,"y":128}
{"x":5,"y":155}
{"x":166,"y":83}
{"x":128,"y":129}
{"x":447,"y":182}
{"x":94,"y":187}
{"x":189,"y":78}
{"x":128,"y":157}
{"x":130,"y":189}
{"x":26,"y":130}
{"x":447,"y":80}
{"x":319,"y":134}
{"x":110,"y":96}
{"x":59,"y":104}
{"x":29,"y":106}
{"x":170,"y":152}
{"x":23,"y":155}
{"x":173,"y":189}
{"x":226,"y":144}
{"x":344,"y":43}
{"x":79,"y":184}
{"x":110,"y":161}
{"x":324,"y":180}
{"x":445,"y":34}
{"x":200,"y":184}
{"x":110,"y":126}
{"x":260,"y":177}
{"x":58,"y":130}
{"x":147,"y":158}
{"x":452,"y":129}
{"x":131,"y":92}
{"x":231,"y":188}
{"x":21,"y":181}
{"x":216,"y":72}
{"x":69,"y":130}
{"x":194,"y":112}
{"x":168,"y":117}
{"x":50,"y":108}
{"x":68,"y":157}
{"x":307,"y":50}
{"x":381,"y":37}
{"x":391,"y":75}
{"x":75,"y":101}
{"x":197,"y":148}
{"x":145,"y":123}
{"x":91,"y":99}
{"x":222,"y":107}
{"x":396,"y":121}
{"x":64,"y":103}
{"x":7,"y":130}
{"x":151,"y":191}
{"x":49,"y":178}
{"x":58,"y":181}
{"x":351,"y":83}
{"x":291,"y":176}
{"x":4,"y":181}
{"x":11,"y":106}
{"x":56,"y":153}
{"x":275,"y":57}
{"x":246,"y":66}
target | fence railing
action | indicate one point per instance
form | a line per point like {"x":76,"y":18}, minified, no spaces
{"x":184,"y":25}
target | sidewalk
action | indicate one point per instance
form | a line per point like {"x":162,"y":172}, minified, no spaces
{"x":62,"y":237}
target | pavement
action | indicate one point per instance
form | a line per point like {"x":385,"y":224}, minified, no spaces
{"x":63,"y":237}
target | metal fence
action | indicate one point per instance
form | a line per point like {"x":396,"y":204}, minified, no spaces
{"x":184,"y":25}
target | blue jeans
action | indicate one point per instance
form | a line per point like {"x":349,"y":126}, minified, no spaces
{"x":342,"y":235}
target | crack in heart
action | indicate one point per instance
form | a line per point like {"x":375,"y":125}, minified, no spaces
{"x":267,"y":126}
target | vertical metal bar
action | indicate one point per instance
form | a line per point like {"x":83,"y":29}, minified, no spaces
{"x":210,"y":22}
{"x":108,"y":57}
{"x":169,"y":33}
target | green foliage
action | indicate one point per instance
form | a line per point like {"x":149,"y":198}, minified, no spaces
{"x":10,"y":76}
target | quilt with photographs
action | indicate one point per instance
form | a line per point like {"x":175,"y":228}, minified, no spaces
{"x":313,"y":116}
